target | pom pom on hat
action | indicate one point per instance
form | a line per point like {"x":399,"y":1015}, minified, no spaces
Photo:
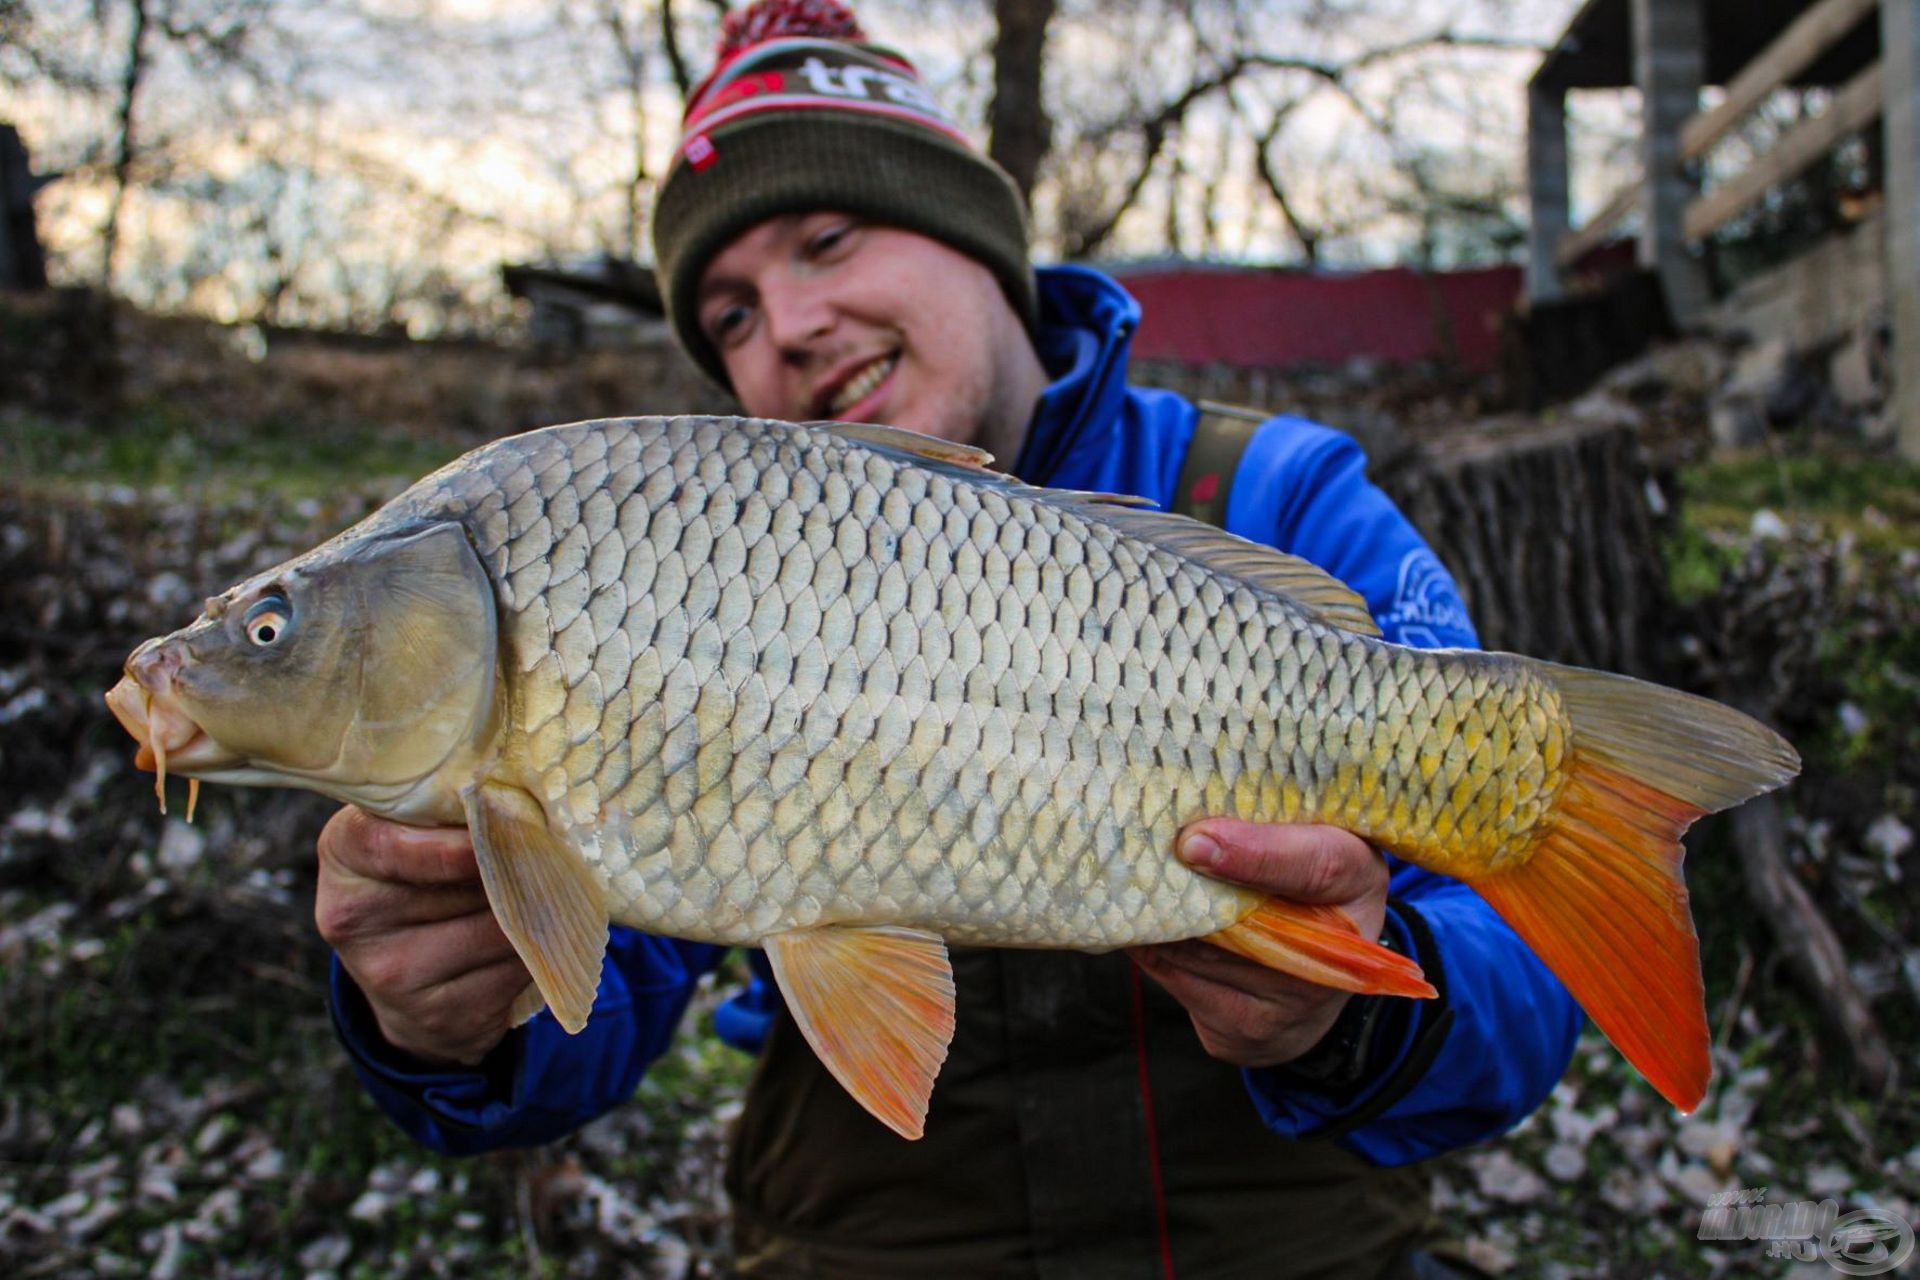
{"x":772,"y":19}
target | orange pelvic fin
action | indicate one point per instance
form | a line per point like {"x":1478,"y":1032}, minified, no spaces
{"x":876,"y":1003}
{"x":1320,"y":944}
{"x":1602,"y":902}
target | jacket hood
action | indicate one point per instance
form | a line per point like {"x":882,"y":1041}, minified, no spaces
{"x":1087,"y":322}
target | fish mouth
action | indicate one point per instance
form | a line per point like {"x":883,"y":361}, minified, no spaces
{"x":169,"y":739}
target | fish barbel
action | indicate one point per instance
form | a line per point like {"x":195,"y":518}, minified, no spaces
{"x":843,"y":693}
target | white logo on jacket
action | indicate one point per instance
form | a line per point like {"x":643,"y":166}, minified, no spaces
{"x":1425,"y":603}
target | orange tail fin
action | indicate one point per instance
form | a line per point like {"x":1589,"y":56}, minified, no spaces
{"x":1320,"y":944}
{"x":1601,"y":899}
{"x":1603,"y":904}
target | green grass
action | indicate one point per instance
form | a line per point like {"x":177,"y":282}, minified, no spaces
{"x":157,"y":445}
{"x":1872,"y":499}
{"x":701,"y":1070}
{"x":1875,"y":498}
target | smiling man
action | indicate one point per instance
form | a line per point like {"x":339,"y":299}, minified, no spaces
{"x":828,"y":315}
{"x":830,"y":246}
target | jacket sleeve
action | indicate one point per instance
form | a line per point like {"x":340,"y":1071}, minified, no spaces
{"x":540,"y":1082}
{"x":1478,"y":1060}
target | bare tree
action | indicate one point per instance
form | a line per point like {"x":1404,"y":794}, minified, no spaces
{"x":632,"y":49}
{"x":123,"y":153}
{"x":1019,"y":131}
{"x":1305,"y":233}
{"x":291,"y":159}
{"x":211,"y":37}
{"x":670,"y":46}
{"x":1207,"y":62}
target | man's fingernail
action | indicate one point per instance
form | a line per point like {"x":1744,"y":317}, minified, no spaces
{"x":1200,"y":851}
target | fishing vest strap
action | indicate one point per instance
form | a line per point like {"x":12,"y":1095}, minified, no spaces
{"x":1220,"y":437}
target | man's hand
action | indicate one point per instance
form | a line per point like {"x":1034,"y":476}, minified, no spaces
{"x":404,"y":908}
{"x":1246,"y":1014}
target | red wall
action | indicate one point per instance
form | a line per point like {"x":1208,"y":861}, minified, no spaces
{"x":1273,"y":318}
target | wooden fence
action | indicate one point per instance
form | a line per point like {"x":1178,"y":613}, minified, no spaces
{"x":1855,"y":105}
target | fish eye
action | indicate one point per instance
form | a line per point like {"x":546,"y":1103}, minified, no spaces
{"x":268,"y":620}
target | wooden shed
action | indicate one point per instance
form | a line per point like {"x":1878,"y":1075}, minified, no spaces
{"x":1866,"y":52}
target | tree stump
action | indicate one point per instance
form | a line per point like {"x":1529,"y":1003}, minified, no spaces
{"x":1549,"y":528}
{"x":1551,"y":534}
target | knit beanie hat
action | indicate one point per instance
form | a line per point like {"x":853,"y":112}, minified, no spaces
{"x":800,"y":113}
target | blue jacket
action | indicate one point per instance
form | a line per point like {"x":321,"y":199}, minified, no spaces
{"x":1300,"y":487}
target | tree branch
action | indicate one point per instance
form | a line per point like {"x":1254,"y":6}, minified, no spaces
{"x":1019,"y":132}
{"x":670,"y":43}
{"x":123,"y":152}
{"x":1309,"y":237}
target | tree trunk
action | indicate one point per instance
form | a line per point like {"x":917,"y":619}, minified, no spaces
{"x":23,"y":264}
{"x":1019,"y":131}
{"x":1549,"y":529}
{"x":124,"y":153}
{"x":670,"y":43}
{"x":59,"y":354}
{"x":1550,"y":534}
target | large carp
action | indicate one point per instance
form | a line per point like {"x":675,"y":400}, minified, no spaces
{"x":843,"y":693}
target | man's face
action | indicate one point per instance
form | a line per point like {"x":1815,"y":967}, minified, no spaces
{"x":824,"y":315}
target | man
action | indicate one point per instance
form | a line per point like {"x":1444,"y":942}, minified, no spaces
{"x":829,"y":246}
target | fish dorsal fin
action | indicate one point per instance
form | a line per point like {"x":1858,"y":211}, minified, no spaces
{"x":546,"y":898}
{"x":965,"y":463}
{"x":1301,"y":581}
{"x":900,"y":440}
{"x":1087,"y":497}
{"x":876,"y":1004}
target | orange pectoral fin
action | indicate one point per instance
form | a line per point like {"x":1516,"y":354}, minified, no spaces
{"x":1320,"y":944}
{"x":876,"y":1004}
{"x":1603,"y":904}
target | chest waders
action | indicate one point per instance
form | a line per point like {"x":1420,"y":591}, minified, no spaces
{"x":1078,"y":1130}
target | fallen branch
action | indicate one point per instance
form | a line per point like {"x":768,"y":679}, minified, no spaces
{"x":1807,"y":941}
